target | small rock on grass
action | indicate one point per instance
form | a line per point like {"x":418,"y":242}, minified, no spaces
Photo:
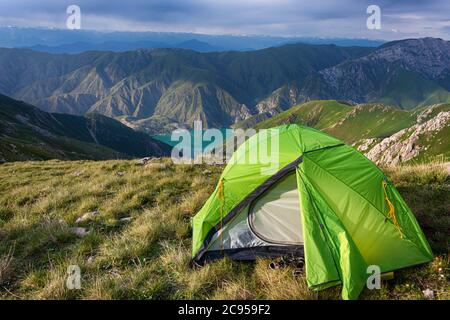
{"x":125,"y":219}
{"x":206,"y":171}
{"x":146,"y":160}
{"x":428,"y":294}
{"x":87,"y":216}
{"x":79,"y":173}
{"x":120,"y":173}
{"x":80,"y":232}
{"x":143,"y":161}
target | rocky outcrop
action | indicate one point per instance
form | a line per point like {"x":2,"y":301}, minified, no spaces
{"x":387,"y":72}
{"x":407,"y":143}
{"x":280,"y":100}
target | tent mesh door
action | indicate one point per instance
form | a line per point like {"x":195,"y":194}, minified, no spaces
{"x":275,"y":216}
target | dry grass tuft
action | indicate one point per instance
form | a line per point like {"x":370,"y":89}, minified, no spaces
{"x":6,"y":265}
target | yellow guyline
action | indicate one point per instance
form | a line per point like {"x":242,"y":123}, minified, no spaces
{"x":220,"y":192}
{"x":391,"y":212}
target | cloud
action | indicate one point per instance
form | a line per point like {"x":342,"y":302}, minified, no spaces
{"x":325,"y":18}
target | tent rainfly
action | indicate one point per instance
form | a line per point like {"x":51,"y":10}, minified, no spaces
{"x":324,"y":201}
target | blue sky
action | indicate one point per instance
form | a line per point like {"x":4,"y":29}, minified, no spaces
{"x":321,"y":18}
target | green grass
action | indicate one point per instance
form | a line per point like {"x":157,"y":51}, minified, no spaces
{"x":344,"y":121}
{"x":319,"y":114}
{"x":371,"y":121}
{"x":27,"y":133}
{"x":148,"y":257}
{"x":409,"y":89}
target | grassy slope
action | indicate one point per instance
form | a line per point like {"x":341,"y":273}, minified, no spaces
{"x":437,"y":144}
{"x":41,"y":148}
{"x":371,"y":120}
{"x":27,"y":133}
{"x":45,"y":138}
{"x":318,"y":114}
{"x":343,"y":121}
{"x":252,"y":121}
{"x":148,"y":257}
{"x":433,"y":145}
{"x":409,"y":89}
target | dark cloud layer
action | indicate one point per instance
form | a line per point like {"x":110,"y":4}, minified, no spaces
{"x":325,"y":18}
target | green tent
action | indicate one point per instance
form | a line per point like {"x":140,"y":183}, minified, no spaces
{"x":324,"y":201}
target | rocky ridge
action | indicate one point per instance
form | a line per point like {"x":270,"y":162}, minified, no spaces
{"x":406,"y":144}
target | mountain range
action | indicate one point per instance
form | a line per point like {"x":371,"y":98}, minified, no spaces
{"x":27,"y":133}
{"x":66,"y":41}
{"x":183,"y":85}
{"x":121,"y":46}
{"x":178,"y":86}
